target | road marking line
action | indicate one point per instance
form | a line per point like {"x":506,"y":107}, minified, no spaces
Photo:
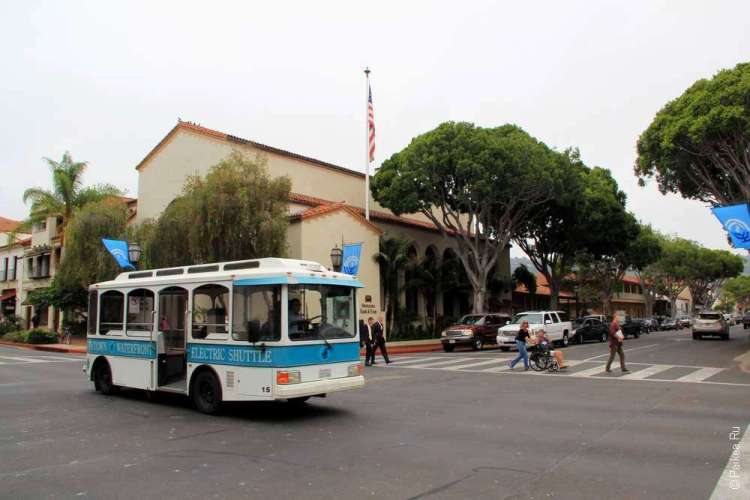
{"x":647,"y":372}
{"x":486,"y":362}
{"x":625,"y":350}
{"x":433,"y":364}
{"x":57,"y":358}
{"x":700,"y":375}
{"x":25,"y":360}
{"x":415,"y":360}
{"x":590,"y":371}
{"x":498,"y":369}
{"x":735,"y":479}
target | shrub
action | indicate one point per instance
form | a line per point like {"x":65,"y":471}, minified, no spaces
{"x":39,"y":336}
{"x":17,"y":336}
{"x":9,"y":324}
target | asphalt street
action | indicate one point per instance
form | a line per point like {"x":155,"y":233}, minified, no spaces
{"x":432,"y":425}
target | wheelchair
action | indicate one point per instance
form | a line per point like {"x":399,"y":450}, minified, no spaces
{"x":541,"y":359}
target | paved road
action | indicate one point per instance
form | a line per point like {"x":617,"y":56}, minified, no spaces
{"x":431,"y":425}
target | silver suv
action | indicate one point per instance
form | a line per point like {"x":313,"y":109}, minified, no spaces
{"x":710,"y":323}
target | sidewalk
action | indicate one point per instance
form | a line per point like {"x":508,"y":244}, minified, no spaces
{"x":78,"y":346}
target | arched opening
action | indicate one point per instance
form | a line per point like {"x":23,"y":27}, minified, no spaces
{"x":456,"y":297}
{"x":411,"y":294}
{"x":431,"y":266}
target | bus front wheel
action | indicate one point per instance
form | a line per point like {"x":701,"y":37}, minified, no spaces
{"x":103,"y":378}
{"x":206,"y":393}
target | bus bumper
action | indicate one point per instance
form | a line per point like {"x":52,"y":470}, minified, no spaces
{"x":319,"y":387}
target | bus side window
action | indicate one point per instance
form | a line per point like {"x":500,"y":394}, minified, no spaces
{"x":112,"y":312}
{"x":93,"y":307}
{"x":210,"y":306}
{"x":259,"y":305}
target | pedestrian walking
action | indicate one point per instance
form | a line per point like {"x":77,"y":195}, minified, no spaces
{"x":365,"y":339}
{"x":378,"y":339}
{"x":616,"y":338}
{"x":521,"y":338}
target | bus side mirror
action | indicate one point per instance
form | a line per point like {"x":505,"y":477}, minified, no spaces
{"x":253,"y":331}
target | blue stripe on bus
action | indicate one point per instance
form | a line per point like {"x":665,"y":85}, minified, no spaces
{"x":273,"y":356}
{"x":129,"y":348}
{"x":303,"y":280}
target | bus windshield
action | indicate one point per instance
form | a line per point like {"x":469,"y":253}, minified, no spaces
{"x":321,"y":312}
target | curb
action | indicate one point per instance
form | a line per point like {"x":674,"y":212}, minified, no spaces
{"x":47,"y":347}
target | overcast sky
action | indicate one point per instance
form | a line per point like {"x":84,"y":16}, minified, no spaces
{"x":107,"y":80}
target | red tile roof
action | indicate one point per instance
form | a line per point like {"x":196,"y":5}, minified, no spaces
{"x":542,"y":287}
{"x":238,"y":140}
{"x":334,"y":207}
{"x":8,"y":225}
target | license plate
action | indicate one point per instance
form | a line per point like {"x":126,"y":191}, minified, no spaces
{"x":324,"y":373}
{"x":451,"y":341}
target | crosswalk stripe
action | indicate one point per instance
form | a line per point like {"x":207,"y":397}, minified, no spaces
{"x":25,"y":360}
{"x":700,"y":375}
{"x":646,"y":372}
{"x":590,"y":371}
{"x":435,"y":364}
{"x":480,"y":363}
{"x":415,"y":360}
{"x":503,"y":368}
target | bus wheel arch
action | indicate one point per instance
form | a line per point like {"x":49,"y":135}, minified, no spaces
{"x":101,"y":375}
{"x":205,"y":390}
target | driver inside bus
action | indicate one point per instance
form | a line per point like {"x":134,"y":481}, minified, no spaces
{"x":296,"y":320}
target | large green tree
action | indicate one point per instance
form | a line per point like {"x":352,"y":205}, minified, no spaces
{"x":709,"y":271}
{"x":671,"y":272}
{"x":646,"y":250}
{"x":738,"y":290}
{"x":476,"y":185}
{"x":67,"y":196}
{"x":237,"y":211}
{"x":698,"y":145}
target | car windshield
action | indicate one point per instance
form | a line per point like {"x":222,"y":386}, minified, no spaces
{"x":321,"y":312}
{"x":471,"y":319}
{"x":710,"y":316}
{"x":532,"y":318}
{"x":578,"y":322}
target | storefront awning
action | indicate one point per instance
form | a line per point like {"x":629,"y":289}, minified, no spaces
{"x":7,"y":295}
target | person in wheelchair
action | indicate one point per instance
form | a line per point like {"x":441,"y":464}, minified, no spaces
{"x":543,"y":343}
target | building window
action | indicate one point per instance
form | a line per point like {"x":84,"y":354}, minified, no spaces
{"x":210,"y":306}
{"x":112,"y":309}
{"x":12,"y":270}
{"x":4,"y":269}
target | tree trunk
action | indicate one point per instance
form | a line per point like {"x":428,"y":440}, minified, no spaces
{"x":554,"y":294}
{"x":480,"y":296}
{"x":673,"y":305}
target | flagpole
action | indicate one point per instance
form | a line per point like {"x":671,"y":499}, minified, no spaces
{"x":367,"y":144}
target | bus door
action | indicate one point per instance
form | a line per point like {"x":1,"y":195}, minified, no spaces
{"x":172,"y":366}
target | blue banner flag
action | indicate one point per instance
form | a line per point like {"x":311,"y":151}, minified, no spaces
{"x":119,"y":250}
{"x":736,"y":222}
{"x":350,"y":258}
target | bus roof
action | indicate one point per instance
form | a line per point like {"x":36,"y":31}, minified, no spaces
{"x":244,"y":272}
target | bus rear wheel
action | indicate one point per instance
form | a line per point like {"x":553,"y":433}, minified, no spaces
{"x":206,"y":393}
{"x":103,"y":379}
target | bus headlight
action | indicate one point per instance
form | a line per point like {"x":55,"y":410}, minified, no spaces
{"x":286,"y":377}
{"x":355,"y":370}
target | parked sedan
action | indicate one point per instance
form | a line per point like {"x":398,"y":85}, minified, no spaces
{"x":589,"y":329}
{"x":669,"y":324}
{"x":475,"y":330}
{"x":710,"y":323}
{"x":631,"y":327}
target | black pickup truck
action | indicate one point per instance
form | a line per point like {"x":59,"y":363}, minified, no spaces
{"x":631,"y":327}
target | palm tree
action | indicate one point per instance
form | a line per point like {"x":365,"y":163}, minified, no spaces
{"x":393,"y":256}
{"x":67,"y":196}
{"x":433,"y":279}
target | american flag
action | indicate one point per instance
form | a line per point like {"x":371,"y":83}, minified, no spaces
{"x":371,"y":123}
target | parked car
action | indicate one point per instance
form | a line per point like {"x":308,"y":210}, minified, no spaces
{"x":630,"y":327}
{"x":555,"y":323}
{"x":475,"y":330}
{"x":646,"y":325}
{"x":669,"y":324}
{"x":589,"y":328}
{"x":746,"y":320}
{"x":711,"y":323}
{"x":685,"y":321}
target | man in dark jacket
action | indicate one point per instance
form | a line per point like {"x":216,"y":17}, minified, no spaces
{"x":365,"y":338}
{"x":378,"y":339}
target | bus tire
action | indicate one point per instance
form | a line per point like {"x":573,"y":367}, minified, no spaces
{"x":103,"y":377}
{"x":206,"y":392}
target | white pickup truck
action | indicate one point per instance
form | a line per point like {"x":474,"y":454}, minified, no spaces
{"x":554,"y":323}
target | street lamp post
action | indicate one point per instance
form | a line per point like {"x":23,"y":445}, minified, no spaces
{"x":336,"y":255}
{"x":134,"y":253}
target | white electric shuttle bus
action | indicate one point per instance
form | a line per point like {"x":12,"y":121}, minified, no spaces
{"x":253,"y":330}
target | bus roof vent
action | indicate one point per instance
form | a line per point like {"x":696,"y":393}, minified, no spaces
{"x":144,"y":274}
{"x":203,"y":269}
{"x":245,"y":264}
{"x":170,"y":272}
